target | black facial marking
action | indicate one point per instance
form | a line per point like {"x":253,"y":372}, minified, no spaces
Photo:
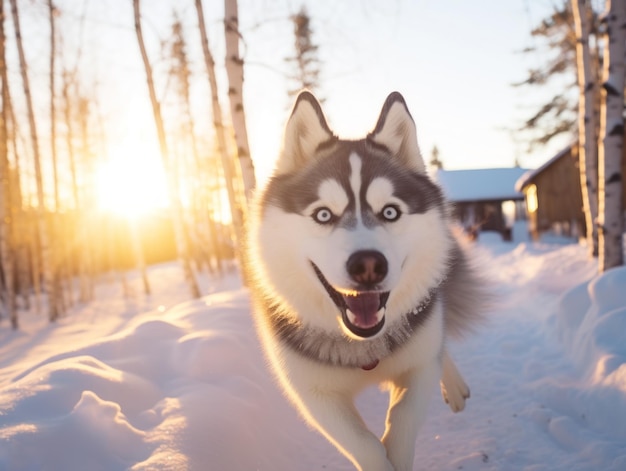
{"x":295,"y":191}
{"x":415,"y":189}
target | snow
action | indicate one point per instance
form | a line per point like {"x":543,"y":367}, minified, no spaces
{"x":485,"y":184}
{"x":161,"y":383}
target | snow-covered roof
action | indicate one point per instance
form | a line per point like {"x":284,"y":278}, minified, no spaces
{"x":485,"y":184}
{"x":528,"y":177}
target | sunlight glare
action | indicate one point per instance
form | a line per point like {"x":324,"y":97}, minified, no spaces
{"x":131,"y":184}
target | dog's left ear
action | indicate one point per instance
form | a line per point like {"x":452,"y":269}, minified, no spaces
{"x":396,"y":131}
{"x":306,"y":130}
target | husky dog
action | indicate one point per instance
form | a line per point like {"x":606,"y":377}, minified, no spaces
{"x":357,"y":279}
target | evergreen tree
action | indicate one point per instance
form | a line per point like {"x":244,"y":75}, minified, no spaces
{"x":588,"y":46}
{"x":435,"y":162}
{"x":306,"y":75}
{"x":556,"y":36}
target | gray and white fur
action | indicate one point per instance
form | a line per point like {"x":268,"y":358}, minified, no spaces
{"x":357,"y":279}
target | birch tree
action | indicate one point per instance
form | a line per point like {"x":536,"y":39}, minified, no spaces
{"x":587,"y":139}
{"x":61,"y":254}
{"x":68,"y":79}
{"x":86,"y":229}
{"x":140,"y":259}
{"x":218,"y":124}
{"x":611,"y":214}
{"x":234,"y":71}
{"x":78,"y":243}
{"x":19,"y":222}
{"x":173,"y":188}
{"x":6,"y":222}
{"x":46,"y":258}
{"x":53,"y":122}
{"x":195,"y":170}
{"x":77,"y":240}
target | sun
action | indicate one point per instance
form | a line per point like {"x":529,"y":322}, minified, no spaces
{"x":131,"y":183}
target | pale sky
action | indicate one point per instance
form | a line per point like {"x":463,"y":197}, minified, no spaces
{"x":453,"y":60}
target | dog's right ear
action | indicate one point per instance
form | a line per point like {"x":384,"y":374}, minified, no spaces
{"x":306,"y":130}
{"x":396,"y":131}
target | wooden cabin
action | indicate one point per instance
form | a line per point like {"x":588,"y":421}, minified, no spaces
{"x":484,"y":199}
{"x":553,"y":196}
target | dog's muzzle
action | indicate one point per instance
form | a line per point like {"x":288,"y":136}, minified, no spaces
{"x":363,"y":310}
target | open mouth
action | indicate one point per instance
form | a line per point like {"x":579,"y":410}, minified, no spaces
{"x":362,"y":313}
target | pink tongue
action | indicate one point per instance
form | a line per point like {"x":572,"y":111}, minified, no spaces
{"x":364,"y":307}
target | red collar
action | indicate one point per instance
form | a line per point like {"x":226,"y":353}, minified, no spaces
{"x":370,"y":366}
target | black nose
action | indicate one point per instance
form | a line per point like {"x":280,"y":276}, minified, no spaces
{"x":367,"y":267}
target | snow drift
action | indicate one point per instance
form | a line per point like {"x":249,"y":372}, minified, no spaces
{"x":150,"y":383}
{"x":591,"y":321}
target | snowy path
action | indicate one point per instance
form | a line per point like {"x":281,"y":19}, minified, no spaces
{"x":519,"y":416}
{"x":150,"y":384}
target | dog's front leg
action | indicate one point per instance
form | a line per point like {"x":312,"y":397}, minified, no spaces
{"x":335,"y":416}
{"x":408,"y":403}
{"x":454,"y":390}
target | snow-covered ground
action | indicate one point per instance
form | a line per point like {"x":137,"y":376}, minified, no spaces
{"x":162,"y":384}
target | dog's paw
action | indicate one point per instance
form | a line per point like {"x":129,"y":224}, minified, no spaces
{"x":454,"y":389}
{"x":455,"y":395}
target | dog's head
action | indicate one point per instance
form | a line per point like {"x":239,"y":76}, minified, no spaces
{"x":350,"y":234}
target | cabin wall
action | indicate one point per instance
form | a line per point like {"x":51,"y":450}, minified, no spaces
{"x":554,"y":199}
{"x":558,"y":199}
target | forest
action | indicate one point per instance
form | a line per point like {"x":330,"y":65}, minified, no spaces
{"x":134,"y":138}
{"x":72,"y":210}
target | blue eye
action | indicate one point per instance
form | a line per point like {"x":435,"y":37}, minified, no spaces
{"x":323,"y":216}
{"x":390,"y":213}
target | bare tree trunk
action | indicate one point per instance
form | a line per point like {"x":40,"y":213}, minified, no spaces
{"x":220,"y":132}
{"x":587,"y":142}
{"x":46,"y":253}
{"x":79,"y":236}
{"x":69,"y":137}
{"x":174,"y":193}
{"x":610,"y":155}
{"x":75,"y":245}
{"x":7,"y":259}
{"x":234,"y":70}
{"x":215,"y":201}
{"x":61,"y":253}
{"x":34,"y":245}
{"x":84,"y":231}
{"x":53,"y":123}
{"x":140,"y":260}
{"x":6,"y":221}
{"x":193,"y":168}
{"x":20,"y":218}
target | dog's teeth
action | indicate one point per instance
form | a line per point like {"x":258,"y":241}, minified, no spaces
{"x":353,"y":318}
